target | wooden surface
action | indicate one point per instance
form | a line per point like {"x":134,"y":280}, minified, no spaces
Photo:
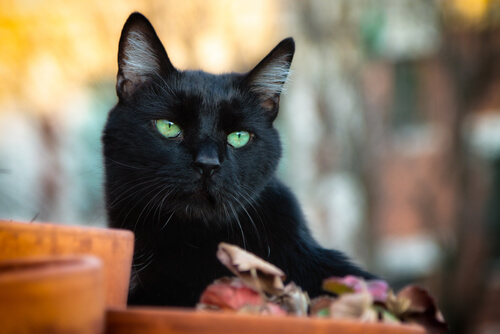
{"x":52,"y":294}
{"x":169,"y":321}
{"x":114,"y":247}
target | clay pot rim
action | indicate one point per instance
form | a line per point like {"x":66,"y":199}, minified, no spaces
{"x":34,"y":268}
{"x":157,"y":315}
{"x":95,"y":231}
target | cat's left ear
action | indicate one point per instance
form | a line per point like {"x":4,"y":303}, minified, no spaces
{"x":269,"y":76}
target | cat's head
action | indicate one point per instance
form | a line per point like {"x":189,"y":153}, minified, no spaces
{"x":189,"y":144}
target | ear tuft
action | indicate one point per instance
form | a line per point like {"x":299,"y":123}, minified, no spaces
{"x":141,"y":55}
{"x":139,"y":58}
{"x":268,"y":78}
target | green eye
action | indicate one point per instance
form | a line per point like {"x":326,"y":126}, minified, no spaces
{"x":167,"y":128}
{"x":238,"y":139}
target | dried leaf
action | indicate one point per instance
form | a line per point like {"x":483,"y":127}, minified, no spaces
{"x":293,"y":300}
{"x":422,"y":310}
{"x":387,"y":317}
{"x":252,"y":270}
{"x":348,"y":284}
{"x":229,"y":294}
{"x":354,"y":306}
{"x":337,"y":286}
{"x":379,"y":289}
{"x":397,"y":305}
{"x":320,"y":306}
{"x":421,"y":301}
{"x":323,"y":313}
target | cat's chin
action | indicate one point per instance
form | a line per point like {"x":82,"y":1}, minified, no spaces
{"x":200,"y":206}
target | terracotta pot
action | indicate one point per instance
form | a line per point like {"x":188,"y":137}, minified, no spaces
{"x":169,"y":321}
{"x":114,"y":247}
{"x":52,"y":295}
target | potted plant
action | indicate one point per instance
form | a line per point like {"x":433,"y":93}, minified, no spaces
{"x":113,"y":246}
{"x":257,"y":301}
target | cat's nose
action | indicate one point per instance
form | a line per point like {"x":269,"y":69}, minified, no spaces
{"x":206,"y":165}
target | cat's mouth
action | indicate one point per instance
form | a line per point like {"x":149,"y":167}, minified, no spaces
{"x":203,"y":195}
{"x":202,"y":192}
{"x":202,"y":200}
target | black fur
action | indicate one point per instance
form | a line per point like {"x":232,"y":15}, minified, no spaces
{"x":180,"y":211}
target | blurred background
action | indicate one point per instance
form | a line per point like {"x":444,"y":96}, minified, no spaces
{"x":390,"y":123}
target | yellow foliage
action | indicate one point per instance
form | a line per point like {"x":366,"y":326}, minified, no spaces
{"x":50,"y":48}
{"x":473,"y":10}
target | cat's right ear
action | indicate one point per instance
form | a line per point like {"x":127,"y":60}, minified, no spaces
{"x":141,"y":56}
{"x":268,"y":77}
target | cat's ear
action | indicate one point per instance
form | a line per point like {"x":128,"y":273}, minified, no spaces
{"x":141,"y":56}
{"x":269,"y":76}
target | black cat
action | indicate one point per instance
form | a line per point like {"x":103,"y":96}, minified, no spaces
{"x":190,"y":161}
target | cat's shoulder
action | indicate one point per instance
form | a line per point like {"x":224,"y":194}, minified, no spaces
{"x":280,"y":197}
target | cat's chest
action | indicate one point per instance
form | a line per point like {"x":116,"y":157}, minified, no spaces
{"x":182,"y":247}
